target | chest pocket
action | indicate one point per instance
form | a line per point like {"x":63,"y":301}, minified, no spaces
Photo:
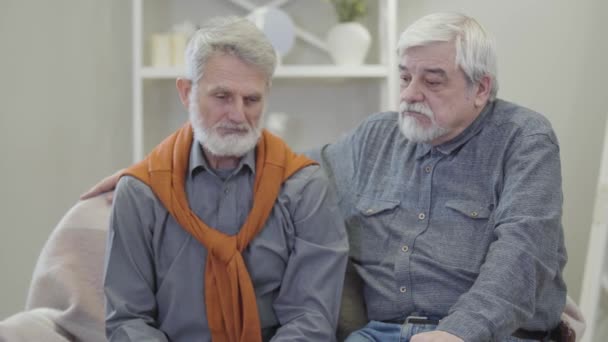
{"x":473,"y":210}
{"x":464,"y":238}
{"x":369,"y":229}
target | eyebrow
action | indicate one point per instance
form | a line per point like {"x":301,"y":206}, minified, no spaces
{"x":223,"y":89}
{"x":437,"y":71}
{"x":219,"y":88}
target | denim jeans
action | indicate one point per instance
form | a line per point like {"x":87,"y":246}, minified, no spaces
{"x":391,"y":332}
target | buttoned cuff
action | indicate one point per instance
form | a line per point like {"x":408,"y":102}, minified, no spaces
{"x":468,"y":327}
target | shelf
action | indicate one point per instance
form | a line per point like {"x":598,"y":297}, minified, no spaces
{"x":336,"y":97}
{"x":288,"y":71}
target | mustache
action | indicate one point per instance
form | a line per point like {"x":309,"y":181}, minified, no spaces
{"x":243,"y":127}
{"x":416,"y":107}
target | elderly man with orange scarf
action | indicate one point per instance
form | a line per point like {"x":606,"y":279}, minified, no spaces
{"x":223,"y":233}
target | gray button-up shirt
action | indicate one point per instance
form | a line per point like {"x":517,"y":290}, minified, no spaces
{"x":469,"y":230}
{"x":154,"y":281}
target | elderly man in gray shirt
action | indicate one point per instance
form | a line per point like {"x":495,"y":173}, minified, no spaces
{"x":157,"y":282}
{"x":453,"y":205}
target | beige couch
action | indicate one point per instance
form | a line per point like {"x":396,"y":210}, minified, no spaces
{"x":65,"y":300}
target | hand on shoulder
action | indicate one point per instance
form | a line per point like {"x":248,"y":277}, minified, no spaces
{"x":105,"y":185}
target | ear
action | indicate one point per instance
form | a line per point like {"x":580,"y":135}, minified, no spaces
{"x":483,"y":91}
{"x":184,"y":86}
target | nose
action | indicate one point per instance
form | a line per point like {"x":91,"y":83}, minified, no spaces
{"x":236,"y":112}
{"x":411,"y":93}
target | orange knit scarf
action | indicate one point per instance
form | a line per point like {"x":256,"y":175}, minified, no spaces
{"x":229,"y":295}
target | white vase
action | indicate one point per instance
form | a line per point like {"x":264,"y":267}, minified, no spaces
{"x":348,"y":43}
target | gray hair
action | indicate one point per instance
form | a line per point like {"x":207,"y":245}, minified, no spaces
{"x":231,"y":35}
{"x":475,"y":49}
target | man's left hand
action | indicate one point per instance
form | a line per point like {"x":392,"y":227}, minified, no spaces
{"x":435,"y":336}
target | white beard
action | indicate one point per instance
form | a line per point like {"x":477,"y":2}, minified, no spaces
{"x":230,"y":145}
{"x":411,"y":128}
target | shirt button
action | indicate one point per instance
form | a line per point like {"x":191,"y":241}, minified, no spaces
{"x":474,"y":214}
{"x":428,"y":169}
{"x":369,"y":211}
{"x":421,"y":216}
{"x":226,"y":190}
{"x":405,"y":249}
{"x":402,"y":289}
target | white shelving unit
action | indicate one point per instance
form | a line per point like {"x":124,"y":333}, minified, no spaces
{"x":595,"y":280}
{"x":322,"y":100}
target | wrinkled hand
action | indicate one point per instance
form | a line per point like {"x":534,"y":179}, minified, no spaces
{"x":435,"y":336}
{"x":107,"y":184}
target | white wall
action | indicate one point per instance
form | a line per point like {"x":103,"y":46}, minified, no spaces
{"x":552,"y":58}
{"x":64,"y":119}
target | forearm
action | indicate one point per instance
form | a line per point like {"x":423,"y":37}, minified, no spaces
{"x":502,"y":299}
{"x":308,"y":304}
{"x":308,"y":326}
{"x":136,"y":330}
{"x":489,"y":309}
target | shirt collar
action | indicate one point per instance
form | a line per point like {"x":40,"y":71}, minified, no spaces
{"x":446,"y":148}
{"x":198,"y":162}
